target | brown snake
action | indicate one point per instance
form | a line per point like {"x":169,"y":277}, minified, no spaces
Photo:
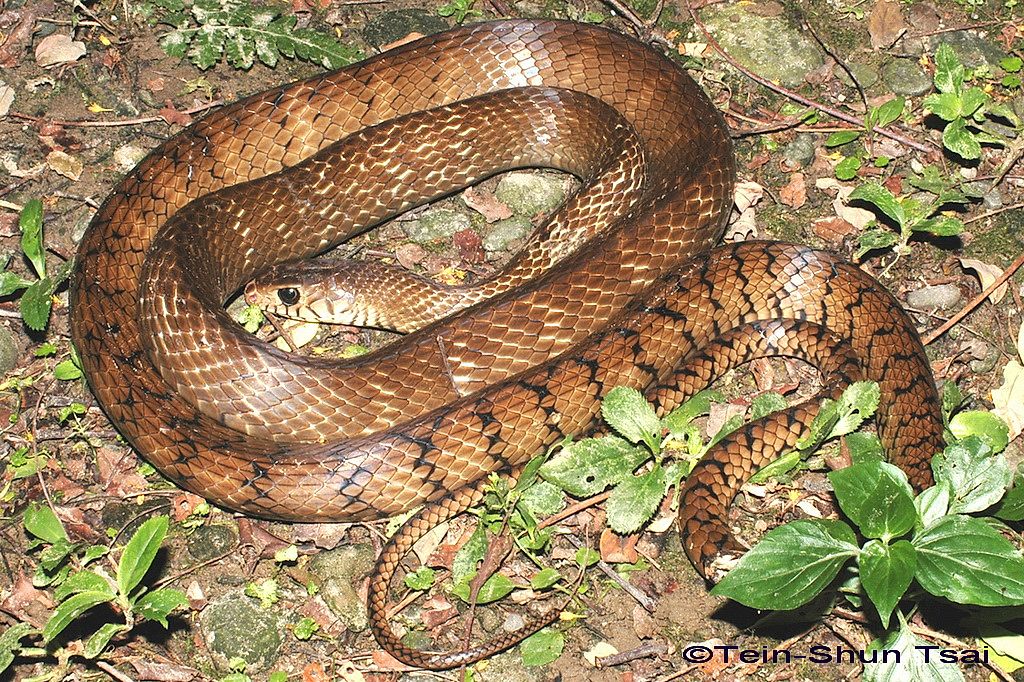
{"x":424,"y":420}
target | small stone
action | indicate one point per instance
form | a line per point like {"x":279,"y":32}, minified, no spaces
{"x":513,"y":622}
{"x":9,"y":350}
{"x":866,"y":74}
{"x":235,"y":626}
{"x":502,"y":233}
{"x":905,"y":77}
{"x":528,"y":194}
{"x":972,"y":50}
{"x":435,"y":225}
{"x":987,"y":363}
{"x":800,"y":152}
{"x":128,"y":156}
{"x":339,"y":572}
{"x":937,"y":297}
{"x":387,"y":27}
{"x":209,"y":542}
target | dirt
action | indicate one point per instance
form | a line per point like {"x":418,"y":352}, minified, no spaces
{"x":100,"y":488}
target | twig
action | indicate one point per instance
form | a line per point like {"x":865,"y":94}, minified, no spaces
{"x":113,"y":672}
{"x":976,"y":301}
{"x":632,"y":590}
{"x":644,"y":651}
{"x":797,"y":97}
{"x":573,"y":509}
{"x":840,"y":61}
{"x":952,"y":29}
{"x":994,"y":212}
{"x":105,"y":124}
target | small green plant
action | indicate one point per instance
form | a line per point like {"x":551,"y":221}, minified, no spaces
{"x":877,"y":117}
{"x":37,"y":295}
{"x":965,"y":109}
{"x":80,"y":590}
{"x":207,"y":31}
{"x":459,"y":10}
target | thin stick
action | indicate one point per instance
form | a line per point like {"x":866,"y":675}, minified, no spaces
{"x":632,"y":590}
{"x":976,"y":301}
{"x":797,"y":97}
{"x":108,"y":124}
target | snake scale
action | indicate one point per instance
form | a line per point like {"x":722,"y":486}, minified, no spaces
{"x":424,"y":420}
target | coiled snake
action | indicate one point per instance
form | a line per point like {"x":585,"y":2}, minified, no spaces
{"x":424,"y":420}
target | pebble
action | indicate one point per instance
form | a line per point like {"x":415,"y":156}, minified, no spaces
{"x":937,"y":297}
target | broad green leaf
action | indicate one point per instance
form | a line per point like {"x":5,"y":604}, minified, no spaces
{"x":930,"y":180}
{"x":978,"y":478}
{"x":782,"y":465}
{"x":95,"y":645}
{"x":528,"y":476}
{"x":11,"y":282}
{"x":864,"y":447}
{"x":959,"y":140}
{"x":41,"y":522}
{"x":952,"y":398}
{"x":83,"y":581}
{"x":886,"y":572}
{"x":31,"y":223}
{"x":1012,"y":506}
{"x":54,"y":555}
{"x":158,"y":604}
{"x":35,"y":304}
{"x":985,"y":425}
{"x":10,"y":641}
{"x":469,"y":555}
{"x":421,"y":579}
{"x":587,"y":467}
{"x":876,"y":497}
{"x":946,"y":105}
{"x":873,"y":239}
{"x":765,"y":404}
{"x":634,"y":500}
{"x":629,"y":413}
{"x":841,"y":137}
{"x":696,"y":406}
{"x":790,"y":566}
{"x":139,"y":553}
{"x":887,"y":112}
{"x":966,"y":561}
{"x":70,"y":609}
{"x":847,"y":168}
{"x":882,"y":199}
{"x":908,"y":662}
{"x":972,"y":100}
{"x":932,"y":504}
{"x":67,"y":371}
{"x":857,"y":403}
{"x":542,"y":647}
{"x":543,"y":499}
{"x":587,"y":557}
{"x":940,"y":226}
{"x":494,"y":588}
{"x":545,"y":578}
{"x":949,"y":72}
{"x":1011,"y":64}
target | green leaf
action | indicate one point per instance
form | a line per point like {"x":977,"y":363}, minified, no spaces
{"x":978,"y":478}
{"x":946,"y":106}
{"x":1012,"y":506}
{"x":847,"y":168}
{"x":95,"y":645}
{"x":469,"y":555}
{"x":696,"y":406}
{"x":628,"y":412}
{"x":949,"y":72}
{"x":876,"y":497}
{"x":971,"y":101}
{"x":790,"y":566}
{"x":542,"y":647}
{"x":984,"y":425}
{"x":83,"y":581}
{"x":940,"y":226}
{"x":587,"y":557}
{"x":1011,"y":64}
{"x":10,"y":640}
{"x":544,"y":579}
{"x":494,"y":588}
{"x":932,"y":504}
{"x":31,"y":223}
{"x":304,"y":630}
{"x":587,"y":467}
{"x":41,"y":522}
{"x":882,"y":199}
{"x":959,"y":140}
{"x":765,"y":404}
{"x":157,"y":604}
{"x":139,"y":553}
{"x":907,"y":663}
{"x":35,"y":304}
{"x":841,"y":137}
{"x":857,"y":403}
{"x":422,"y":579}
{"x":874,"y":239}
{"x":964,"y":560}
{"x":67,"y":371}
{"x":864,"y":447}
{"x":54,"y":555}
{"x":11,"y":282}
{"x":886,"y":572}
{"x":887,"y":112}
{"x":70,"y":609}
{"x":952,"y":398}
{"x":634,"y":500}
{"x":543,"y":499}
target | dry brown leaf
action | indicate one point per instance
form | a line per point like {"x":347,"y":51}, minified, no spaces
{"x":1008,"y":399}
{"x":987,"y":273}
{"x":644,"y":625}
{"x":470,"y":246}
{"x":833,"y":230}
{"x":6,"y":98}
{"x":794,"y":194}
{"x":886,"y":24}
{"x":486,"y":204}
{"x":618,"y":549}
{"x":599,"y":650}
{"x":162,"y":672}
{"x":58,"y":48}
{"x":62,"y":163}
{"x":858,"y":217}
{"x":172,"y":116}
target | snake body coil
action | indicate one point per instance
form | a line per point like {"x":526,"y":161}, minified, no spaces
{"x":426,"y":419}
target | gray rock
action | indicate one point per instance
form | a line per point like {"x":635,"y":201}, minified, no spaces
{"x":987,"y":363}
{"x":9,"y":350}
{"x":502,"y":233}
{"x":435,"y":225}
{"x":208,"y":542}
{"x":771,"y":46}
{"x":800,"y":152}
{"x":867,"y":74}
{"x":387,"y":27}
{"x":339,"y":572}
{"x":938,"y":297}
{"x":973,"y":50}
{"x":905,"y":77}
{"x":235,"y":626}
{"x":528,"y":194}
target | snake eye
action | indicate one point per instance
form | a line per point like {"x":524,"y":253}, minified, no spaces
{"x":288,"y":295}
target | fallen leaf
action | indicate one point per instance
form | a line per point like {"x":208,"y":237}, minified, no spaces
{"x":1008,"y":399}
{"x":470,"y":246}
{"x":173,"y":116}
{"x":409,"y":255}
{"x":987,"y":273}
{"x":644,"y":625}
{"x":300,"y":332}
{"x":58,"y":48}
{"x":17,"y":39}
{"x":599,"y":650}
{"x":894,"y":183}
{"x":807,"y":507}
{"x":429,"y":542}
{"x":348,"y":672}
{"x":386,"y":661}
{"x":886,"y":24}
{"x":719,"y":414}
{"x":486,"y":204}
{"x":314,"y":672}
{"x":6,"y":98}
{"x":196,"y":596}
{"x":794,"y":194}
{"x":162,"y":672}
{"x":401,"y":41}
{"x":858,"y":217}
{"x":62,"y":163}
{"x":618,"y":549}
{"x":746,"y":195}
{"x":436,"y":611}
{"x":832,"y":229}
